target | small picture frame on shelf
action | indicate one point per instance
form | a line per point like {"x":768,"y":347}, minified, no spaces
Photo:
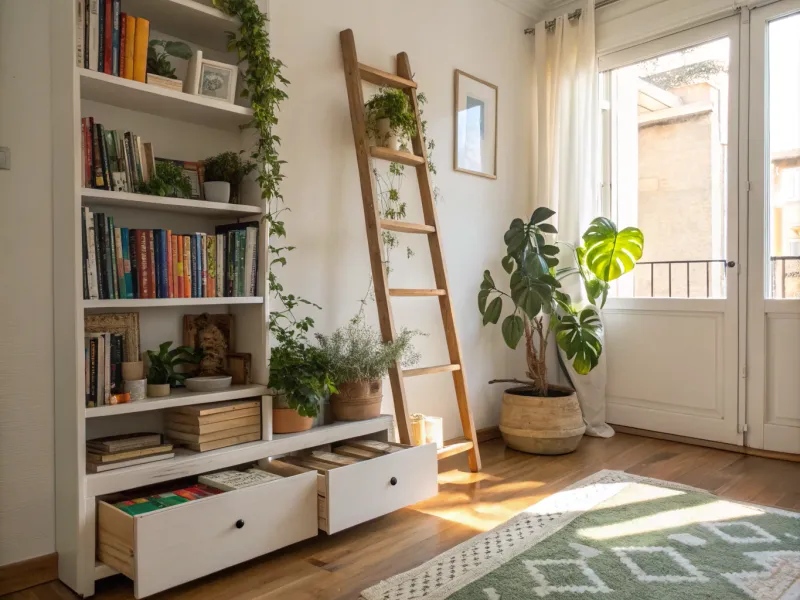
{"x":210,"y":78}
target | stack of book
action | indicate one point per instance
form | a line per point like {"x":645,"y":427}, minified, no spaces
{"x":114,"y":160}
{"x":117,"y":451}
{"x":122,"y":263}
{"x":219,"y":425}
{"x":102,"y":368}
{"x":110,"y":41}
{"x":145,"y":504}
{"x":227,"y":481}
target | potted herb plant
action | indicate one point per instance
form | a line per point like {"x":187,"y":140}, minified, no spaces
{"x":358,"y":360}
{"x":161,"y":374}
{"x":299,"y":375}
{"x":168,"y":180}
{"x":390,"y":121}
{"x":160,"y":71}
{"x":539,"y":417}
{"x":223,"y":174}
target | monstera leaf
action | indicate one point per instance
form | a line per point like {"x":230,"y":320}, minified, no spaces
{"x":578,"y":336}
{"x":610,"y":254}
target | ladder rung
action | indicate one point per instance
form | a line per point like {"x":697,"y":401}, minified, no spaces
{"x":409,"y":292}
{"x":405,"y":158}
{"x":430,"y":370}
{"x":379,"y":77}
{"x":405,"y":227}
{"x":453,"y":449}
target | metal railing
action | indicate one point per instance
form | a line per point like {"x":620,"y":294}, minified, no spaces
{"x":779,"y":281}
{"x":669,"y":264}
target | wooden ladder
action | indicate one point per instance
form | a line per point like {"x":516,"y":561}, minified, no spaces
{"x":354,"y":74}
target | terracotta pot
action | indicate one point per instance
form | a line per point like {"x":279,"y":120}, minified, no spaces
{"x":357,"y":400}
{"x":157,"y":390}
{"x":542,"y":425}
{"x":288,"y":420}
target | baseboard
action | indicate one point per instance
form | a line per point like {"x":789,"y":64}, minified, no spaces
{"x":707,"y":444}
{"x":488,"y":434}
{"x":27,"y":573}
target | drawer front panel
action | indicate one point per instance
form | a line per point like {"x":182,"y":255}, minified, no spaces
{"x":365,"y":490}
{"x":191,"y":540}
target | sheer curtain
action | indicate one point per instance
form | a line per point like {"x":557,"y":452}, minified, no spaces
{"x":566,"y":158}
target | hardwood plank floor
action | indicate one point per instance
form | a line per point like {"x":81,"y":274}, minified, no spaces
{"x":340,"y":566}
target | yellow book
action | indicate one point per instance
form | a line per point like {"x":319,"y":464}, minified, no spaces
{"x":141,"y":39}
{"x":130,"y":37}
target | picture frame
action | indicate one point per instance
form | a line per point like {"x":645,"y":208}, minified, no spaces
{"x":210,"y":78}
{"x":214,"y":334}
{"x":475,"y":124}
{"x":124,"y":324}
{"x":239,"y":367}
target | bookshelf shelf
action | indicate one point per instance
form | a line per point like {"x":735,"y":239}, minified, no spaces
{"x":175,"y":399}
{"x":187,"y":463}
{"x":190,"y":20}
{"x":161,"y":302}
{"x":93,"y":197}
{"x":141,"y":97}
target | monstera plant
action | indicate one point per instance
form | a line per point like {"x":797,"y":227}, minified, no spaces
{"x":536,"y":277}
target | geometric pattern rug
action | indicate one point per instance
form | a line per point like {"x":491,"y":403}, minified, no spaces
{"x":618,"y":536}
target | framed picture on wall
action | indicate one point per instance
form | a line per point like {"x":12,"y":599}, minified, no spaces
{"x":475,"y":125}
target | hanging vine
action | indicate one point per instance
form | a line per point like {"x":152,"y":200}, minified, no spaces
{"x":265,"y":88}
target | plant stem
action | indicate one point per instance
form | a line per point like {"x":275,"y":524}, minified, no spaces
{"x":520,"y":381}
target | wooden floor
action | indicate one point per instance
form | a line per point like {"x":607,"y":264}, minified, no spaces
{"x":340,"y":566}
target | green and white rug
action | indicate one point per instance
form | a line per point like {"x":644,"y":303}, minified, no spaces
{"x":619,"y":536}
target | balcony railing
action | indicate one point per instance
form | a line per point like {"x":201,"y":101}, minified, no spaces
{"x":785,"y":277}
{"x":680,"y":268}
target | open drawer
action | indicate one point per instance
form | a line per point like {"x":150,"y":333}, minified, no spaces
{"x":168,"y":547}
{"x":354,"y":493}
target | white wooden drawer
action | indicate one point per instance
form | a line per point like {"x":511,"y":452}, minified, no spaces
{"x":168,"y":547}
{"x":353,"y":494}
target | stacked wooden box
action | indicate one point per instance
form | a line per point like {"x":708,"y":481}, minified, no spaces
{"x":206,"y":427}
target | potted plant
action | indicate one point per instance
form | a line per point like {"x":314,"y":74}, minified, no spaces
{"x":168,"y":180}
{"x":160,"y":71}
{"x":299,"y":375}
{"x":390,"y":121}
{"x":161,"y":374}
{"x":223,"y":174}
{"x":358,"y":360}
{"x":539,"y":417}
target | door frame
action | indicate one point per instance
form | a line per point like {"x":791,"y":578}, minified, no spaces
{"x":732,"y":307}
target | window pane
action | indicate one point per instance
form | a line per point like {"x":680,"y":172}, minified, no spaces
{"x":668,"y":140}
{"x":784,"y":152}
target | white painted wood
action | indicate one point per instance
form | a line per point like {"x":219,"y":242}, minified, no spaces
{"x":187,"y":463}
{"x":162,"y":302}
{"x":178,"y":398}
{"x":101,"y":571}
{"x":363,"y":491}
{"x":266,"y":418}
{"x":189,"y":20}
{"x":99,"y":199}
{"x":772,"y":354}
{"x":673,"y":363}
{"x":134,"y":95}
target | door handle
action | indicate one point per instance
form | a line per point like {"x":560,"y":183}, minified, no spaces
{"x":730,"y":264}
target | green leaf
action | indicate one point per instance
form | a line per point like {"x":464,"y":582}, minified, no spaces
{"x":508,"y":263}
{"x":541,"y":214}
{"x":548,"y":228}
{"x":488,"y":282}
{"x":178,"y":50}
{"x":492,"y":314}
{"x":516,"y":237}
{"x":549,"y":250}
{"x":513,"y":328}
{"x":610,"y":254}
{"x":578,"y":337}
{"x":483,"y":295}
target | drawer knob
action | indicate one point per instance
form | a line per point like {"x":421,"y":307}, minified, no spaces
{"x":393,"y":481}
{"x":239,"y":524}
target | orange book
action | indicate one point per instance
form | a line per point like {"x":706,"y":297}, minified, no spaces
{"x":141,"y":38}
{"x":174,"y":284}
{"x":170,"y":286}
{"x":187,"y":266}
{"x":179,"y":266}
{"x":127,"y":51}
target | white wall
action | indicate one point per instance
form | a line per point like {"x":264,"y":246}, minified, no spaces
{"x":26,"y":285}
{"x":331,"y":265}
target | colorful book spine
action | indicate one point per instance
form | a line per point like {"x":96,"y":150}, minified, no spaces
{"x":126,"y":263}
{"x":141,"y":263}
{"x":170,"y":268}
{"x":101,"y":33}
{"x":91,"y":274}
{"x":100,"y":265}
{"x":141,"y":40}
{"x":179,"y":289}
{"x":104,"y":164}
{"x":123,"y":34}
{"x":97,"y":159}
{"x":175,"y":287}
{"x":151,"y":263}
{"x":112,"y":250}
{"x":133,"y":253}
{"x":163,"y":268}
{"x":187,"y":267}
{"x":84,"y":256}
{"x":93,"y":35}
{"x":80,"y":18}
{"x":211,"y":284}
{"x":115,"y":37}
{"x":88,"y":169}
{"x":230,"y":281}
{"x":87,"y":6}
{"x":130,"y":35}
{"x":108,"y":36}
{"x":195,"y":269}
{"x":220,"y":265}
{"x":92,"y":402}
{"x":123,"y":293}
{"x":203,"y":265}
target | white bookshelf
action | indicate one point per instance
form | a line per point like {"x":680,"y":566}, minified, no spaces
{"x":106,"y":198}
{"x":163,"y":302}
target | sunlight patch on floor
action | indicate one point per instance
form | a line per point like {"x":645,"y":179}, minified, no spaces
{"x":464,"y":477}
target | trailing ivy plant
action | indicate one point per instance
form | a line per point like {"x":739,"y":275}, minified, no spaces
{"x":264,"y":86}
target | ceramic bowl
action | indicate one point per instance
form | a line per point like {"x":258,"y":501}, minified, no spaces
{"x":213,"y":383}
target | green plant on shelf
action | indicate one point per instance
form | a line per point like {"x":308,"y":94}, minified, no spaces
{"x":394,"y":105}
{"x":169,"y":180}
{"x":229,"y":167}
{"x":163,"y":362}
{"x":300,"y":371}
{"x":158,"y":53}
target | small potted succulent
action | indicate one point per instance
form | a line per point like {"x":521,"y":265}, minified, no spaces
{"x":358,"y":360}
{"x":299,"y":375}
{"x":161,"y":373}
{"x":223,"y":174}
{"x":390,"y":121}
{"x":160,"y":71}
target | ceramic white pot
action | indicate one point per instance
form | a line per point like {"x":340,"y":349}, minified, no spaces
{"x":387,"y":138}
{"x":217,"y":191}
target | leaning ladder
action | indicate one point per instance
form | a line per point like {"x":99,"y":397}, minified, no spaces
{"x":354,"y":74}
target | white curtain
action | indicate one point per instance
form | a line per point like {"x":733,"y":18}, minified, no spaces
{"x":566,"y":158}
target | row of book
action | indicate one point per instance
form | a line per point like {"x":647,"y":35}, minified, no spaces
{"x":102,"y":368}
{"x":121,"y":263}
{"x":127,"y":450}
{"x":109,"y":40}
{"x":114,"y":160}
